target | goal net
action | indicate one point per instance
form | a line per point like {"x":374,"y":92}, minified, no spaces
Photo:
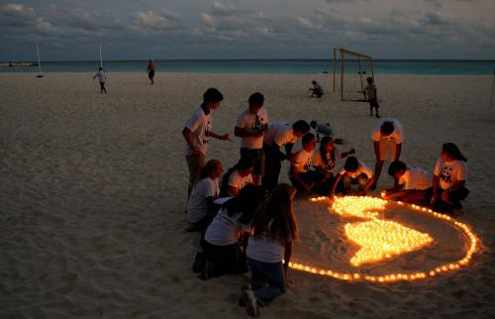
{"x":354,"y":69}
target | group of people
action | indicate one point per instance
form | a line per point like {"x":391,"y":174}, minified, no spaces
{"x":102,"y":77}
{"x":246,"y":218}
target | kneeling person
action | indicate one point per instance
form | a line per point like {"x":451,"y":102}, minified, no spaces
{"x":237,"y":177}
{"x":354,"y":173}
{"x":411,"y":184}
{"x":302,"y":178}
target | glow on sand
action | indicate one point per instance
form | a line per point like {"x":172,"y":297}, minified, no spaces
{"x":379,"y":243}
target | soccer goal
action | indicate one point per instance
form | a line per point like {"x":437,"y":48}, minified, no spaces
{"x":354,"y":68}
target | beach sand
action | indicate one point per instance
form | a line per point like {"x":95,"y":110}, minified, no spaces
{"x":93,"y":190}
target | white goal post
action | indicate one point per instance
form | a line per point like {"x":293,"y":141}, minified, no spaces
{"x":355,"y":67}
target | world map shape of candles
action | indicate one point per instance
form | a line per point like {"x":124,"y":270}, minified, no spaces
{"x":379,"y":240}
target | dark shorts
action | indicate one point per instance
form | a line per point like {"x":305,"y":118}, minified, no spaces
{"x":151,"y":74}
{"x":258,"y":159}
{"x":374,"y":103}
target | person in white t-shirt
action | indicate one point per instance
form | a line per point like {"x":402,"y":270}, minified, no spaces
{"x":387,"y":143}
{"x":269,"y":249}
{"x":411,"y":184}
{"x":237,"y":178}
{"x":102,"y":78}
{"x":224,"y":244}
{"x":197,"y":131}
{"x":355,"y":173}
{"x":280,"y":135}
{"x":371,"y":97}
{"x":326,"y":157}
{"x":200,"y":207}
{"x":449,"y":180}
{"x":300,"y":174}
{"x":251,"y":126}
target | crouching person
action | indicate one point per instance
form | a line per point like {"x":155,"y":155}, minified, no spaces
{"x":302,"y":177}
{"x":449,"y":180}
{"x":411,"y":184}
{"x":356,"y":178}
{"x":222,"y":246}
{"x":270,"y":248}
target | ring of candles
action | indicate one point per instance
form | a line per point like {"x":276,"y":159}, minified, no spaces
{"x":367,"y":207}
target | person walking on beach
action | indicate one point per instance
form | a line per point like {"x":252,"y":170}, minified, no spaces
{"x":196,"y":132}
{"x":370,"y":95}
{"x":102,"y":78}
{"x":387,"y":142}
{"x":151,"y":71}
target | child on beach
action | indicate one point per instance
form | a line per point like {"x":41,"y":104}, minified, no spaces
{"x":251,"y":125}
{"x":237,"y":177}
{"x":151,"y":71}
{"x":280,"y":135}
{"x":355,"y":172}
{"x":302,"y":178}
{"x":387,"y":142}
{"x":449,"y":180}
{"x":370,"y":95}
{"x":200,"y":207}
{"x":325,"y":159}
{"x":270,"y":248}
{"x":222,"y":246}
{"x":197,"y":131}
{"x":411,"y":184}
{"x":102,"y":78}
{"x":316,"y":90}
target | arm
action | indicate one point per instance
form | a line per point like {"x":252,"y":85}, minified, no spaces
{"x":288,"y":149}
{"x":436,"y":189}
{"x":349,"y":152}
{"x":224,"y":137}
{"x":398,"y":150}
{"x":287,"y":257}
{"x":335,"y":184}
{"x":186,"y":132}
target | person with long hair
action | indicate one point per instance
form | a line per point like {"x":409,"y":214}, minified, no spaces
{"x":269,"y":249}
{"x":222,"y":245}
{"x":325,"y":160}
{"x":449,"y":180}
{"x":200,"y":206}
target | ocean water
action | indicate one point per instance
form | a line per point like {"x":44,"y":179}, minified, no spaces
{"x":424,"y":67}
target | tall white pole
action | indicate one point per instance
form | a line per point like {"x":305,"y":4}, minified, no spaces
{"x":101,"y":58}
{"x":39,"y":59}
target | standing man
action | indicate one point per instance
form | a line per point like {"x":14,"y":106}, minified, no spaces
{"x":280,"y":135}
{"x":251,"y":126}
{"x":102,"y":78}
{"x":387,"y":141}
{"x":196,"y":133}
{"x":151,"y":71}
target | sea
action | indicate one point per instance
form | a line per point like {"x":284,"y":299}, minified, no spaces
{"x":264,"y":66}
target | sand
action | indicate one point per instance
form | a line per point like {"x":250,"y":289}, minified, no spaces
{"x":93,"y":191}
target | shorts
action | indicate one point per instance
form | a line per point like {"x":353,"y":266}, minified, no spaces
{"x":374,"y":103}
{"x":151,"y":74}
{"x":387,"y":150}
{"x":258,"y":159}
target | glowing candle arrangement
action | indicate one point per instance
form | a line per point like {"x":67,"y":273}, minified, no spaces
{"x":379,"y":239}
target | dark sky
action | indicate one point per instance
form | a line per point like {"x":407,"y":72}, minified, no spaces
{"x":140,"y":29}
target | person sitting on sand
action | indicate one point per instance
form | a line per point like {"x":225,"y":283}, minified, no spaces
{"x":370,"y":96}
{"x":325,"y":159}
{"x":269,"y":249}
{"x":411,"y":184}
{"x":197,"y":131}
{"x":200,"y":206}
{"x":151,"y":68}
{"x":387,"y":142}
{"x":316,"y":90}
{"x":223,"y":246}
{"x":300,"y":174}
{"x":102,"y":78}
{"x":251,"y":126}
{"x":449,"y":180}
{"x":280,"y":135}
{"x":237,"y":178}
{"x":354,"y":173}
